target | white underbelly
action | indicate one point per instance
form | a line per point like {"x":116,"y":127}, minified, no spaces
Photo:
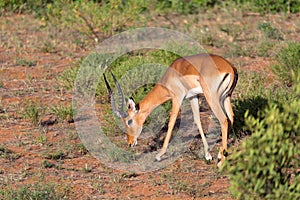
{"x":194,"y":92}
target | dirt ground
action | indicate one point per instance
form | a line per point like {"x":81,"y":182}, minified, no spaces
{"x":32,"y":57}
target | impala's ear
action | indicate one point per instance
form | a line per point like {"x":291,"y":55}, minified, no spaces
{"x":130,"y":104}
{"x":137,"y":107}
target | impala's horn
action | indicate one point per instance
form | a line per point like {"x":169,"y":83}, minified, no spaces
{"x":119,"y":112}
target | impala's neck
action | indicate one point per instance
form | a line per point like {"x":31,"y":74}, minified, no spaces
{"x":157,"y":96}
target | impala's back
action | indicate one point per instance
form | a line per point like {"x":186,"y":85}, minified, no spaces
{"x":192,"y":75}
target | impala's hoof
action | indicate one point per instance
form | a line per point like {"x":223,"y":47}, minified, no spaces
{"x":221,"y":161}
{"x":219,"y":156}
{"x":220,"y":164}
{"x":157,"y":158}
{"x":208,"y":157}
{"x":160,"y":154}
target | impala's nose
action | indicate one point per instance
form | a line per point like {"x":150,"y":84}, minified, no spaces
{"x":131,"y":141}
{"x":133,"y":144}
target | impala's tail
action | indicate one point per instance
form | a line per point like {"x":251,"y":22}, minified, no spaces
{"x":226,"y":107}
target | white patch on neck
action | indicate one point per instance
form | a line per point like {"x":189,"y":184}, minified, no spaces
{"x":193,"y":92}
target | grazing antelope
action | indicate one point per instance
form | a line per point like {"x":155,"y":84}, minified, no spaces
{"x":186,"y":77}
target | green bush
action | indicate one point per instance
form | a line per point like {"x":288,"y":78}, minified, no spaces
{"x":288,"y":62}
{"x":114,"y":13}
{"x":273,"y":6}
{"x":183,"y":7}
{"x":97,"y":20}
{"x":265,"y":166}
{"x":261,"y":6}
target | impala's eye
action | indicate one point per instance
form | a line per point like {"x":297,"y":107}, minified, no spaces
{"x":129,"y":122}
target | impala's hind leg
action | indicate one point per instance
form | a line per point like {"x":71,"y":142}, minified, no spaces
{"x":223,"y":150}
{"x":229,"y":111}
{"x":224,"y":122}
{"x":195,"y":108}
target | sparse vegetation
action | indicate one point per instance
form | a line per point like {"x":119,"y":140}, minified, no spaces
{"x":48,"y":164}
{"x":270,"y":31}
{"x":64,"y":113}
{"x":42,"y":139}
{"x":8,"y":154}
{"x":33,"y":112}
{"x":48,"y":47}
{"x":28,"y":63}
{"x":66,"y":79}
{"x":58,"y":155}
{"x":34,"y":191}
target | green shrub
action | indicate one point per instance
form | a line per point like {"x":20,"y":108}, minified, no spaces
{"x":114,"y":14}
{"x":253,"y":92}
{"x":265,"y":166}
{"x":273,"y":6}
{"x":261,"y":6}
{"x":288,"y":62}
{"x":184,"y":7}
{"x":97,"y":20}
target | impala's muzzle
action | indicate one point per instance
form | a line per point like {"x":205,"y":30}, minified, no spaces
{"x":131,"y":140}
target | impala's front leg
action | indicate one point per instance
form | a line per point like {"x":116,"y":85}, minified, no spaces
{"x":173,"y":117}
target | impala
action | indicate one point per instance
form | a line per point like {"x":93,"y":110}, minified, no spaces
{"x":187,"y":77}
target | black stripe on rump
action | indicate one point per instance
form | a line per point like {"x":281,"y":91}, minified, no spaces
{"x":222,"y":81}
{"x":228,"y":93}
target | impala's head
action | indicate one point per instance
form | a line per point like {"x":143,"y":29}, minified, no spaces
{"x":132,"y":125}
